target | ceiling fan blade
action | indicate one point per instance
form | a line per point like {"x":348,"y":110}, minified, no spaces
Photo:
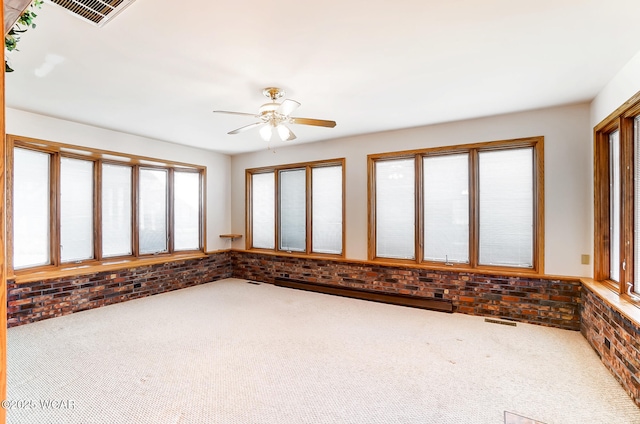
{"x":235,"y":113}
{"x":246,"y":127}
{"x":315,"y":122}
{"x":285,"y":133}
{"x":292,"y":136}
{"x":287,"y":107}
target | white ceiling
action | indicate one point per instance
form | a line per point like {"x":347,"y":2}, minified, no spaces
{"x":161,"y":67}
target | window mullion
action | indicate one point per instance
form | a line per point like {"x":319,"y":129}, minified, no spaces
{"x":419,"y":209}
{"x":474,"y":206}
{"x":171,"y":202}
{"x":627,"y":203}
{"x":55,"y":209}
{"x":309,"y":211}
{"x":135,"y":181}
{"x":276,"y":206}
{"x":97,"y":209}
{"x":248,"y":200}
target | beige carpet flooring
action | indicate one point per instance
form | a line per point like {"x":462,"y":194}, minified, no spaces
{"x":234,"y":352}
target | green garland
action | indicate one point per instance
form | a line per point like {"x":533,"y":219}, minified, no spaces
{"x":24,"y":22}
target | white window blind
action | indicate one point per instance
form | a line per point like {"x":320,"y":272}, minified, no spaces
{"x":614,"y":208}
{"x":506,"y":207}
{"x":326,"y":209}
{"x":395,"y":208}
{"x":152,"y":216}
{"x":116,"y":210}
{"x":263,"y":210}
{"x":186,"y":212}
{"x":76,"y":209}
{"x":293,"y":207}
{"x":446,"y":208}
{"x":31,"y":220}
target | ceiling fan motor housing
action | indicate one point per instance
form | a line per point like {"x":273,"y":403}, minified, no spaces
{"x":273,"y":93}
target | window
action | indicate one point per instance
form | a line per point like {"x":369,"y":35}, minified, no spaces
{"x":327,"y":209}
{"x":76,"y":209}
{"x":617,"y":199}
{"x":31,"y":208}
{"x":72,"y":205}
{"x":446,"y":208}
{"x":395,"y":209}
{"x":186,"y":208}
{"x":614,"y":202}
{"x":471,"y":206}
{"x":117,"y":210}
{"x":297,"y":208}
{"x":293,"y":210}
{"x":263,"y":213}
{"x":153,"y":211}
{"x":506,"y":207}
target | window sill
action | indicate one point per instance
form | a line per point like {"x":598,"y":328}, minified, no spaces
{"x":507,"y":272}
{"x":626,"y":306}
{"x":27,"y":276}
{"x":293,"y":254}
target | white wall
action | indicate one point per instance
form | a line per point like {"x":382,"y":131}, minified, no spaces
{"x":621,"y":88}
{"x":568,"y":194}
{"x":218,"y":165}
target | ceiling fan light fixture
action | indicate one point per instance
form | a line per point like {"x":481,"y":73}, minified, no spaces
{"x":266,"y":132}
{"x":274,"y":115}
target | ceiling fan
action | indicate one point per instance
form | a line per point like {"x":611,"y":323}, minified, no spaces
{"x":273,"y":116}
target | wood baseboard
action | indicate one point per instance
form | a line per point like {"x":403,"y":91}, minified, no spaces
{"x":375,"y":296}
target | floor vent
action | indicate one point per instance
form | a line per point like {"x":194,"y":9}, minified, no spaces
{"x":495,"y":321}
{"x":96,"y":12}
{"x":252,"y":282}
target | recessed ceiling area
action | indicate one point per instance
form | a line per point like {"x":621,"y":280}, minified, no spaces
{"x":161,"y":67}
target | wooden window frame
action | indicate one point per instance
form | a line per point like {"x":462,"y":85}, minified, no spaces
{"x":98,"y":157}
{"x":537,"y":146}
{"x":622,"y":120}
{"x":308,"y":166}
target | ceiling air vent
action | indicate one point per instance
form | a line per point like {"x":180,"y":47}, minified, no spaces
{"x":97,"y":12}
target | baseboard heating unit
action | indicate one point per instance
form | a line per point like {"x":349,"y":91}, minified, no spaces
{"x":441,"y":305}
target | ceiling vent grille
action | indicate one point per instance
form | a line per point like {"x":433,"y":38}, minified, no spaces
{"x":97,"y":12}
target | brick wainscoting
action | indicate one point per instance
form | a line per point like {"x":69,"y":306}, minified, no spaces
{"x":549,"y":302}
{"x":38,"y":300}
{"x":615,"y":339}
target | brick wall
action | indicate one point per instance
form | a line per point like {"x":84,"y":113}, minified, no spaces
{"x":548,"y":302}
{"x":38,"y":300}
{"x":620,"y":352}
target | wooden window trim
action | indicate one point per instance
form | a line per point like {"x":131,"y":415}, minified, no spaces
{"x":98,"y":157}
{"x":537,"y":145}
{"x":622,"y":120}
{"x":308,"y":167}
